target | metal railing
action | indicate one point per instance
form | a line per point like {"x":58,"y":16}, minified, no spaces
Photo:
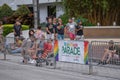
{"x":66,"y":59}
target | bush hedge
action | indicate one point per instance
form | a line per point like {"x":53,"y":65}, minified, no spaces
{"x":8,"y":28}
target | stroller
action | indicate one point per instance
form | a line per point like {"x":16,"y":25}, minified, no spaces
{"x":46,"y":55}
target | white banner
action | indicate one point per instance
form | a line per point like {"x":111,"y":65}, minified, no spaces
{"x":71,"y":51}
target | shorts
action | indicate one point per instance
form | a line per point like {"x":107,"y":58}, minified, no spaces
{"x":50,"y":36}
{"x":71,"y":36}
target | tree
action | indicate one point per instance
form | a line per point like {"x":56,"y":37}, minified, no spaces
{"x":5,"y":11}
{"x":22,"y":10}
{"x":103,"y":11}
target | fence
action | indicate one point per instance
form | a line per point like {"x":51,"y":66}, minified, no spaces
{"x":82,"y":57}
{"x":72,"y":55}
{"x":97,"y":51}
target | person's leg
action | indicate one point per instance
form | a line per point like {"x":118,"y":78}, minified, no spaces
{"x":58,"y":36}
{"x":52,"y":36}
{"x":18,"y":50}
{"x":62,"y":37}
{"x":109,"y":57}
{"x":31,"y":53}
{"x":48,"y":36}
{"x":105,"y":54}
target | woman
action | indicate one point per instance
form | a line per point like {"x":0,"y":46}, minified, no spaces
{"x":39,"y":33}
{"x":32,"y":50}
{"x":31,"y":33}
{"x":55,"y":24}
{"x":49,"y":29}
{"x":60,"y":30}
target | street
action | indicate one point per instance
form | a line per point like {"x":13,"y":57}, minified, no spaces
{"x":19,"y":71}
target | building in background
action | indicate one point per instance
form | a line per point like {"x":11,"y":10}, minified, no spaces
{"x":46,"y":7}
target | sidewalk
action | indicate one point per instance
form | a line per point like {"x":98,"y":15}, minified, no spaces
{"x":108,"y":73}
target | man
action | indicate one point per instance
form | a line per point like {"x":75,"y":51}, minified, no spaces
{"x":70,"y":29}
{"x":112,"y":51}
{"x":17,"y":29}
{"x":79,"y":31}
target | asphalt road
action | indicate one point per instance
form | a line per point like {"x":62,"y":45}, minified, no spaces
{"x":17,"y":71}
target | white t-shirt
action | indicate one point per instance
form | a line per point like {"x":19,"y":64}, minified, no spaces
{"x":71,"y":27}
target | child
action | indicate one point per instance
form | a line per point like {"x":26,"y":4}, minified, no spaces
{"x":47,"y":48}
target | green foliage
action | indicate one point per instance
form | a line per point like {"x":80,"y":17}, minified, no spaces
{"x":8,"y":28}
{"x":85,"y":21}
{"x":94,"y":10}
{"x":22,"y":10}
{"x":64,"y":18}
{"x":5,"y":11}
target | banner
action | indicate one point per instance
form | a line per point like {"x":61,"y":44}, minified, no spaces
{"x":71,"y":51}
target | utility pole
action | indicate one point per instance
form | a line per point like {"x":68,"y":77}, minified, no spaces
{"x":36,"y":13}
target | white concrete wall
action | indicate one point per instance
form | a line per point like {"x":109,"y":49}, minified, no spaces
{"x":43,"y":13}
{"x":43,"y":7}
{"x":14,"y":3}
{"x":59,"y":10}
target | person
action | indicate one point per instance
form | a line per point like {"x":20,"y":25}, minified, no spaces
{"x":40,"y":46}
{"x":49,"y":29}
{"x":48,"y":47}
{"x":31,"y":32}
{"x":1,"y":37}
{"x":55,"y":24}
{"x":17,"y":47}
{"x":17,"y":28}
{"x":39,"y":33}
{"x":79,"y":31}
{"x":32,"y":49}
{"x":60,"y":30}
{"x":111,"y":51}
{"x":1,"y":32}
{"x":70,"y":28}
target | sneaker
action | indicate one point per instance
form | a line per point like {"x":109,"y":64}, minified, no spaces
{"x":100,"y":62}
{"x":104,"y":63}
{"x":33,"y":61}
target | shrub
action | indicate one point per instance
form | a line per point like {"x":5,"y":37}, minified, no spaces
{"x":5,"y":11}
{"x":8,"y":28}
{"x":22,"y":10}
{"x":85,"y":21}
{"x":64,"y":18}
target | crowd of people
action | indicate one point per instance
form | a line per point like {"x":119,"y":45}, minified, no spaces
{"x":40,"y":45}
{"x":55,"y":28}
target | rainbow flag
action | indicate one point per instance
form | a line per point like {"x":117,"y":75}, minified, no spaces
{"x":86,"y":45}
{"x":56,"y":50}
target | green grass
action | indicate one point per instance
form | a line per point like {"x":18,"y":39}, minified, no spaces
{"x":8,"y":28}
